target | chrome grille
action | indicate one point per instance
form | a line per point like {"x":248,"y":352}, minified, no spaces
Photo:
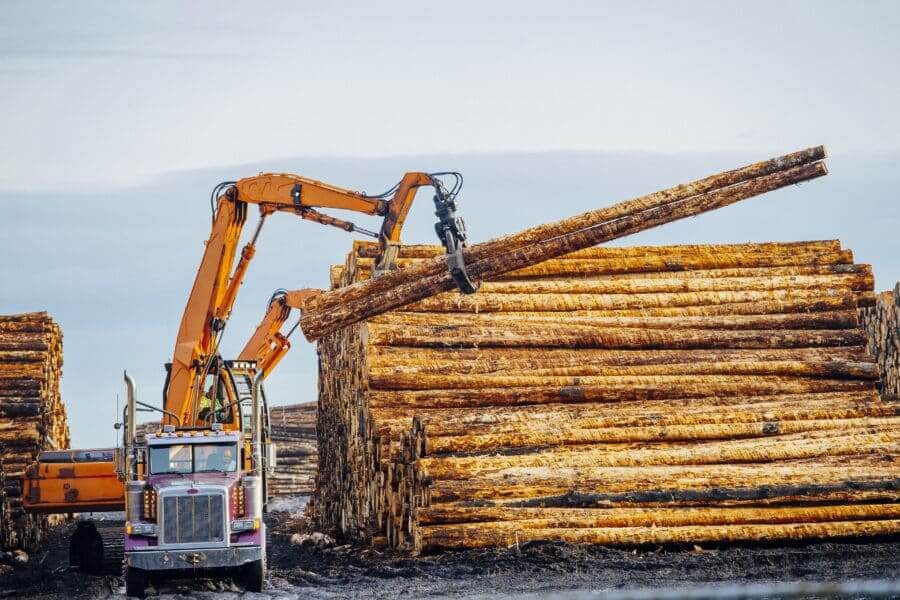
{"x":193,"y":518}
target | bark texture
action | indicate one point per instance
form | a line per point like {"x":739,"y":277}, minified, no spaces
{"x":360,"y":300}
{"x":676,"y":394}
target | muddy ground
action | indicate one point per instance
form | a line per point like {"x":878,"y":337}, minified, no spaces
{"x":532,"y":569}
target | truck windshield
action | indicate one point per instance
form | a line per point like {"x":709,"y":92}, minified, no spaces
{"x":193,"y":458}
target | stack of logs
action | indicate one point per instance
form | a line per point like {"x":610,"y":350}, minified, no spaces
{"x":294,"y":435}
{"x":613,"y":395}
{"x":32,"y":415}
{"x":331,"y":311}
{"x":882,"y":325}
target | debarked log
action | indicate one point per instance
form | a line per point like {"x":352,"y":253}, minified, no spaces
{"x":585,"y":375}
{"x":478,"y":537}
{"x":400,"y":360}
{"x":681,"y":433}
{"x":528,"y":237}
{"x":324,"y":316}
{"x":874,"y":442}
{"x":616,"y":389}
{"x":843,"y":319}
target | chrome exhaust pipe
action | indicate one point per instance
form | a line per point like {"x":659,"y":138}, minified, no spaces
{"x":130,"y":425}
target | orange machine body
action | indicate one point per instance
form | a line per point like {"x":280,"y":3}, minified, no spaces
{"x":267,"y":346}
{"x":218,"y":279}
{"x":73,"y":481}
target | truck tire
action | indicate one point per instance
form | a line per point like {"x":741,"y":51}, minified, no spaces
{"x":135,"y":582}
{"x":255,"y":575}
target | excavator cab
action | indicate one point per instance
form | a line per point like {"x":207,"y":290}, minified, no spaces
{"x":224,"y":396}
{"x":215,"y":401}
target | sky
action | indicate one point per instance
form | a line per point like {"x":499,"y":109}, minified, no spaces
{"x":98,"y":93}
{"x":117,"y":119}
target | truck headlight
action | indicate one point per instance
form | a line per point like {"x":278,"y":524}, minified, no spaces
{"x":144,"y":529}
{"x":244,"y":525}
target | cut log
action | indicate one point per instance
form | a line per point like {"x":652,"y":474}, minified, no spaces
{"x":674,"y":433}
{"x":634,"y":338}
{"x":329,"y":313}
{"x":621,"y":395}
{"x":540,"y":518}
{"x":623,"y":209}
{"x":371,"y":250}
{"x":882,"y":325}
{"x":482,"y":536}
{"x":642,"y":267}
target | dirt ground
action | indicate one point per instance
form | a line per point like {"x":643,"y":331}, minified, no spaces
{"x":532,"y":570}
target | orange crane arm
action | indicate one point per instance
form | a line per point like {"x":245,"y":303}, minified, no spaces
{"x":218,"y":281}
{"x":267,"y":346}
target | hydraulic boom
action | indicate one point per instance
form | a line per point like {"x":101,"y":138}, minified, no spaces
{"x":218,"y":280}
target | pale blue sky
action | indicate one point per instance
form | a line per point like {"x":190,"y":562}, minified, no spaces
{"x":106,"y":92}
{"x":118,"y":118}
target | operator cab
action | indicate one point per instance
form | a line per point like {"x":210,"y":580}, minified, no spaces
{"x":226,"y":396}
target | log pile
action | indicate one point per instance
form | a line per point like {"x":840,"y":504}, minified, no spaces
{"x":613,"y":395}
{"x":882,"y":325}
{"x":338,"y":308}
{"x":294,"y":435}
{"x":32,"y":415}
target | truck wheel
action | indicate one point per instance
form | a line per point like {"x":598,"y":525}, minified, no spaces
{"x":255,"y":576}
{"x":135,"y":582}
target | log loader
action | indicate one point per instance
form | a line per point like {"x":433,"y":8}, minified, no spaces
{"x":193,"y":491}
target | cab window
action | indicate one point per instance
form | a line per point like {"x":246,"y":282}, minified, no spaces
{"x":215,"y":457}
{"x":193,"y":458}
{"x":171,"y":459}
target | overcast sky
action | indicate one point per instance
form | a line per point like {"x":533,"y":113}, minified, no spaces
{"x":106,"y":92}
{"x":117,"y":119}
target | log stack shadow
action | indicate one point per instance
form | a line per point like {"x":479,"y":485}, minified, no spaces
{"x":32,"y":415}
{"x":701,"y":393}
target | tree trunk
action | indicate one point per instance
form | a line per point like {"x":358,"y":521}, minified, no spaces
{"x":656,"y":394}
{"x":542,"y":232}
{"x":328,"y":312}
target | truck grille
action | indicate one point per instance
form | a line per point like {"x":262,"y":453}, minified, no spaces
{"x":195,"y":518}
